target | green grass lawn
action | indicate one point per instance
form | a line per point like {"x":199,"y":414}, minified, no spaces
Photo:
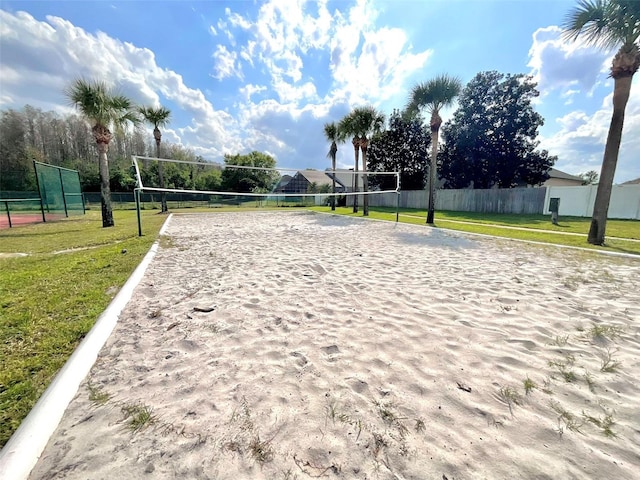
{"x":527,"y":227}
{"x":49,"y":301}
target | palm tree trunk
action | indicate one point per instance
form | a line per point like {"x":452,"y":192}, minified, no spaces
{"x":431,"y":208}
{"x":333,"y":181}
{"x":365,"y":180}
{"x":163,"y":195}
{"x":105,"y":189}
{"x":356,"y":151}
{"x":621,"y":89}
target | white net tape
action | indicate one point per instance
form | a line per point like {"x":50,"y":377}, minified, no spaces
{"x":344,"y":180}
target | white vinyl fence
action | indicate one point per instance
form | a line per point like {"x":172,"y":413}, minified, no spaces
{"x":574,"y":201}
{"x":578,"y":201}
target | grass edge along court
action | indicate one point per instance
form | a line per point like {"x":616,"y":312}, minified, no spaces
{"x":67,"y":273}
{"x":51,"y":294}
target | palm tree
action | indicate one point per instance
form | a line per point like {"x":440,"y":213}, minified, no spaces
{"x":105,"y":110}
{"x":433,"y":95}
{"x":331,"y":134}
{"x":609,"y":24}
{"x":368,"y":121}
{"x":158,"y":117}
{"x":346,"y":129}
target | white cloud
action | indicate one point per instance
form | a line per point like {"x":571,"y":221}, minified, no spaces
{"x":560,"y":64}
{"x":41,"y":58}
{"x":304,"y":65}
{"x":580,"y":141}
{"x":225,"y":64}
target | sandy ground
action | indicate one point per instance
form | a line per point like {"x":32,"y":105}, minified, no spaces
{"x":301,"y":345}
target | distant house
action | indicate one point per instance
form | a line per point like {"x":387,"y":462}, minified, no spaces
{"x":282,"y":183}
{"x":303,"y":181}
{"x":345,"y":177}
{"x":632,"y":182}
{"x":561,"y":179}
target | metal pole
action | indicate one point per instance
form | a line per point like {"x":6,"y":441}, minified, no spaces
{"x":39,"y":191}
{"x":6,"y":205}
{"x":137,"y":195}
{"x":397,"y":197}
{"x":64,"y":199}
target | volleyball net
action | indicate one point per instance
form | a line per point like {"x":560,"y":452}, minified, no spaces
{"x":184,"y":184}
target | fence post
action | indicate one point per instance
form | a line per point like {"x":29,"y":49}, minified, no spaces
{"x":64,"y":198}
{"x":39,"y":191}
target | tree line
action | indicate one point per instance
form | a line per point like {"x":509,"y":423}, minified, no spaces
{"x":491,"y":139}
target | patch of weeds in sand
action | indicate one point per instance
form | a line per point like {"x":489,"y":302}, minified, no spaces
{"x":573,"y":281}
{"x":386,"y":410}
{"x":420,"y":426}
{"x":529,"y":385}
{"x":609,"y":365}
{"x":379,"y":442}
{"x":569,"y":420}
{"x":605,"y":423}
{"x":333,"y":413}
{"x":261,"y":451}
{"x":591,"y":383}
{"x":289,"y":475}
{"x":137,"y":416}
{"x":165,"y":241}
{"x":564,"y":367}
{"x":97,"y":395}
{"x":600,"y":332}
{"x":546,"y":386}
{"x":560,"y":340}
{"x":510,"y":396}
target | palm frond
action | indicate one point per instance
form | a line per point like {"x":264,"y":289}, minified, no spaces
{"x":331,"y":131}
{"x":604,"y":23}
{"x":434,"y":94}
{"x":99,"y":105}
{"x":158,"y":117}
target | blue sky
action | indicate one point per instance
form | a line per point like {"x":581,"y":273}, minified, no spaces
{"x":243,"y":75}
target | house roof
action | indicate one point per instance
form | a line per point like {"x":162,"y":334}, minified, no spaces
{"x":284,"y":180}
{"x":554,"y":173}
{"x":632,"y":182}
{"x":318,"y":177}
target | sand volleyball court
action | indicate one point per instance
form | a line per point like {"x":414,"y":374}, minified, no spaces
{"x":299,"y":345}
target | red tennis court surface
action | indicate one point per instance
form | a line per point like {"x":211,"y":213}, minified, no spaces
{"x":18,"y":219}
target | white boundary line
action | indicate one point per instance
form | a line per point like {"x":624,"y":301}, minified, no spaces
{"x":22,"y":451}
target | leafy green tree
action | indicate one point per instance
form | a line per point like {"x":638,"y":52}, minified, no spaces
{"x":609,"y":24}
{"x":433,"y":96}
{"x":158,"y":117}
{"x":492,"y":137}
{"x":589,"y":178}
{"x":16,"y":169}
{"x":331,"y":134}
{"x":403,"y":147}
{"x":105,"y":110}
{"x":246,"y":180}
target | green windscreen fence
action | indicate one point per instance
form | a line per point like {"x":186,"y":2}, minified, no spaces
{"x":59,"y":190}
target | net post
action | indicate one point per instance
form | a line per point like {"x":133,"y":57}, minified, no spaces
{"x":137,"y":195}
{"x":397,"y":197}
